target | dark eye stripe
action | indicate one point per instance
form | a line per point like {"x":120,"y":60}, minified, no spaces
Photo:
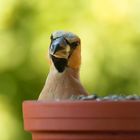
{"x":74,"y":44}
{"x":54,"y":38}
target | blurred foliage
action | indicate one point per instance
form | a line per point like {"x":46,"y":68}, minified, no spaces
{"x":109,"y":31}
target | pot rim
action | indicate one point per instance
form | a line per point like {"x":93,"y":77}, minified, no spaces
{"x":81,"y":109}
{"x":85,"y":116}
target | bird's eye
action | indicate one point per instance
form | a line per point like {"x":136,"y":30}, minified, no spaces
{"x":74,"y":44}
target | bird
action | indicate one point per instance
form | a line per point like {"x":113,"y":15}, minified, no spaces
{"x":63,"y":80}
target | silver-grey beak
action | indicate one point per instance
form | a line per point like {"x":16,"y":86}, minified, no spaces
{"x":60,"y":48}
{"x":57,"y":45}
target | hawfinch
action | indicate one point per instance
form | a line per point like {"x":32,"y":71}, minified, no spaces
{"x":65,"y":58}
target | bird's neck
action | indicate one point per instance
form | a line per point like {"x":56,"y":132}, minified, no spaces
{"x":62,"y":85}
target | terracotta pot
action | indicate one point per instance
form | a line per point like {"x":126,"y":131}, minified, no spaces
{"x":82,"y":120}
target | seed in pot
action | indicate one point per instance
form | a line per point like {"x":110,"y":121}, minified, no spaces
{"x":90,"y":97}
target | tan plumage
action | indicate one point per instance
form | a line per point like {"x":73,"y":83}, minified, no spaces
{"x":63,"y":79}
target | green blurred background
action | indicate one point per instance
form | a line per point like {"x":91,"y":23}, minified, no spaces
{"x":110,"y":34}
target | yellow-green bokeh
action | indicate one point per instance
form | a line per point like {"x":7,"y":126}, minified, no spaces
{"x":110,"y":34}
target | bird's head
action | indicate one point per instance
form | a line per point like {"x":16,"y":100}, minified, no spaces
{"x":65,"y":50}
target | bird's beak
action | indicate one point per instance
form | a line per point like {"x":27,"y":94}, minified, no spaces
{"x":59,"y":48}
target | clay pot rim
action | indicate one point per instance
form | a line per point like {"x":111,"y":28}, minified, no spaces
{"x":81,"y":116}
{"x":86,"y":109}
